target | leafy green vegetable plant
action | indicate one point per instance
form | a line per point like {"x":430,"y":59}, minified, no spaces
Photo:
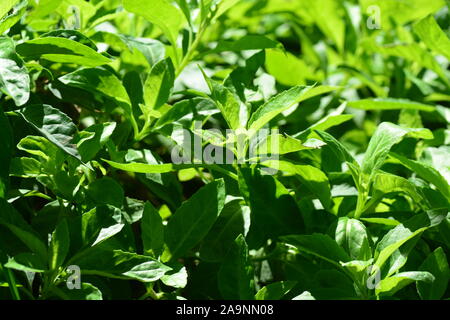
{"x":223,"y":149}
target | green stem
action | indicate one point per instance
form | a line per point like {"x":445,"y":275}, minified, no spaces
{"x":11,"y":282}
{"x":192,"y":48}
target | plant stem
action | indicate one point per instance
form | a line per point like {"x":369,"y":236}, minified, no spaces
{"x":192,"y":48}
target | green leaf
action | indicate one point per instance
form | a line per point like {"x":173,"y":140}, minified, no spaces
{"x":98,"y":81}
{"x":319,"y":245}
{"x":352,"y":235}
{"x":233,"y":221}
{"x":402,"y":233}
{"x":389,"y":104}
{"x":161,"y":13}
{"x":11,"y":19}
{"x":384,"y":138}
{"x":59,"y":245}
{"x":6,"y":140}
{"x":62,"y":50}
{"x":153,"y":50}
{"x":386,"y":183}
{"x":192,"y":221}
{"x":54,"y":125}
{"x":338,"y":148}
{"x":327,"y":122}
{"x":236,"y":273}
{"x":436,"y":263}
{"x":14,"y":78}
{"x":278,"y":61}
{"x":176,"y":278}
{"x":158,"y":86}
{"x":283,"y":144}
{"x":433,"y":36}
{"x":248,"y":42}
{"x":328,"y":16}
{"x":186,"y":111}
{"x":411,"y":52}
{"x":6,"y":6}
{"x":28,"y":262}
{"x":11,"y":219}
{"x":106,"y":191}
{"x":273,"y":210}
{"x":87,"y":292}
{"x":282,"y":102}
{"x":97,"y":136}
{"x":426,"y":172}
{"x":227,"y":103}
{"x":122,"y":265}
{"x":275,"y":291}
{"x":100,"y":224}
{"x":313,"y":178}
{"x":101,"y":82}
{"x":152,"y":230}
{"x":391,"y":285}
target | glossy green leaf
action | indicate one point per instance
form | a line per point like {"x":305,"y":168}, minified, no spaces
{"x":28,"y":262}
{"x":14,"y":78}
{"x":396,"y":282}
{"x":86,"y":292}
{"x":319,"y":245}
{"x":7,"y":5}
{"x":313,"y":178}
{"x":283,"y":144}
{"x":282,"y":102}
{"x":433,"y":36}
{"x":436,"y":264}
{"x":341,"y":152}
{"x":59,"y":245}
{"x":106,"y":191}
{"x":54,"y":125}
{"x":389,"y":104}
{"x":249,"y":42}
{"x":275,"y":291}
{"x":273,"y":210}
{"x":352,"y":235}
{"x":402,"y":233}
{"x":227,"y":103}
{"x":12,"y":220}
{"x":384,"y":138}
{"x":425,"y":172}
{"x":122,"y":265}
{"x":192,"y":221}
{"x":12,"y":18}
{"x":158,"y":86}
{"x":5,"y":155}
{"x":152,"y":230}
{"x":96,"y":137}
{"x":233,"y":221}
{"x":159,"y":12}
{"x":236,"y":273}
{"x":62,"y":50}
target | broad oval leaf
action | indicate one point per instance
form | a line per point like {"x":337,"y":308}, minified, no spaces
{"x":159,"y":12}
{"x":54,"y":125}
{"x":14,"y":78}
{"x":282,"y":102}
{"x":58,"y":49}
{"x":192,"y":221}
{"x":236,"y":273}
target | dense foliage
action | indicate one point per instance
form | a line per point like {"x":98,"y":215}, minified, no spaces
{"x":349,"y":199}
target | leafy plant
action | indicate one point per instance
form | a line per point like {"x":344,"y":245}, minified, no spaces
{"x":223,"y":149}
